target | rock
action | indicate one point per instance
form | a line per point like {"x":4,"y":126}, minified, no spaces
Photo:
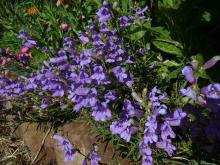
{"x":78,"y":132}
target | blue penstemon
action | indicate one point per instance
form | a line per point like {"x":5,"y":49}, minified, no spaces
{"x":158,"y":126}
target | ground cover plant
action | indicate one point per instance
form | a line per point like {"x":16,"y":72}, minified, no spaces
{"x":143,"y":73}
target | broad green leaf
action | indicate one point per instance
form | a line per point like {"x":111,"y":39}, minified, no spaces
{"x":161,"y":32}
{"x":137,"y":33}
{"x":168,"y":46}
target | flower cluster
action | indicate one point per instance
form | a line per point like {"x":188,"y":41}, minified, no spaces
{"x":126,"y":126}
{"x":90,"y":77}
{"x":158,"y":127}
{"x":205,"y":131}
{"x":84,"y":76}
{"x":70,"y":151}
{"x":28,"y":41}
{"x":23,"y":57}
{"x":131,"y":19}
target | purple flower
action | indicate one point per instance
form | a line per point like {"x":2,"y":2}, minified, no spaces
{"x":124,"y":21}
{"x":146,"y":152}
{"x":101,"y":112}
{"x":58,"y":93}
{"x":45,"y":103}
{"x":99,"y":76}
{"x":67,"y":147}
{"x":166,"y":131}
{"x":83,"y":97}
{"x":84,"y":162}
{"x":189,"y":93}
{"x":150,"y":135}
{"x":140,"y":12}
{"x":167,"y":146}
{"x":147,"y":160}
{"x":211,"y":91}
{"x":155,"y":97}
{"x":122,"y":76}
{"x":124,"y":129}
{"x":29,"y":43}
{"x":103,"y":14}
{"x":175,"y":118}
{"x":210,"y":63}
{"x":151,"y":122}
{"x":23,"y":35}
{"x":131,"y":110}
{"x":45,"y":49}
{"x":188,"y":74}
{"x":160,"y":110}
{"x":92,"y":97}
{"x":95,"y":158}
{"x":97,"y":39}
{"x":83,"y":37}
{"x":81,"y":91}
{"x":144,"y":149}
{"x":57,"y":60}
{"x":211,"y":97}
{"x":85,"y":57}
{"x":68,"y":42}
{"x":110,"y":96}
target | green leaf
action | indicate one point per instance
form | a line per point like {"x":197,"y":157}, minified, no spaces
{"x":206,"y":16}
{"x":125,"y":6}
{"x":170,"y":3}
{"x":161,"y":32}
{"x":171,"y":63}
{"x":169,"y":46}
{"x":202,"y":73}
{"x":137,"y":33}
{"x":173,"y":74}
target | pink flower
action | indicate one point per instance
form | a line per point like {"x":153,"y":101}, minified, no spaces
{"x":6,"y":73}
{"x":58,"y":3}
{"x":24,"y":49}
{"x":4,"y":60}
{"x":65,"y":26}
{"x":7,"y":50}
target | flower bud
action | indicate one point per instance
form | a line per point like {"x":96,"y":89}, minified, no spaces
{"x":210,"y":63}
{"x":194,"y":64}
{"x":64,"y":26}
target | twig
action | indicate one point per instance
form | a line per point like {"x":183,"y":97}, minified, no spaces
{"x":7,"y":157}
{"x":41,"y":147}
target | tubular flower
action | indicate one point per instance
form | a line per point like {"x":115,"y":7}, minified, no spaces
{"x":188,"y":74}
{"x":67,"y":147}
